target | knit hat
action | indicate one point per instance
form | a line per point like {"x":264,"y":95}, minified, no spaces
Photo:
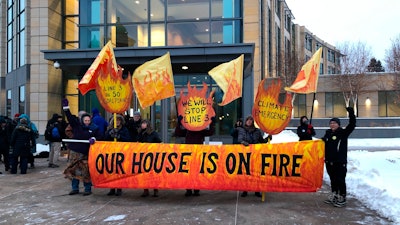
{"x":337,"y":120}
{"x":16,"y":115}
{"x":137,"y":113}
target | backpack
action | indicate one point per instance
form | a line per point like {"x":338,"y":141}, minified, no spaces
{"x":55,"y":134}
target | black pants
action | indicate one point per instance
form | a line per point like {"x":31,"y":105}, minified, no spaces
{"x":5,"y":154}
{"x":337,"y":173}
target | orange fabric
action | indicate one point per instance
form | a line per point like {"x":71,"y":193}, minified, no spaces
{"x":196,"y":108}
{"x":229,"y":77}
{"x":307,"y":79}
{"x":104,"y":62}
{"x":154,"y":81}
{"x":269,"y":114}
{"x":283,"y":167}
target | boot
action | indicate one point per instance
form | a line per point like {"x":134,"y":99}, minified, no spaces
{"x":155,"y":193}
{"x":196,"y":193}
{"x":119,"y":192}
{"x":145,"y":193}
{"x":340,"y":202}
{"x":188,"y":193}
{"x":332,"y":198}
{"x":258,"y":194}
{"x":111,"y":192}
{"x":244,"y":194}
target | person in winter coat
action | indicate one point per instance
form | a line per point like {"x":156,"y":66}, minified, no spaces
{"x":146,"y":134}
{"x":55,"y":138}
{"x":249,"y":134}
{"x":120,"y":133}
{"x":133,"y":125}
{"x":22,"y":140}
{"x":31,"y":158}
{"x":193,"y":137}
{"x":305,"y":131}
{"x":235,"y":131}
{"x":78,"y":169}
{"x":336,"y":139}
{"x":100,"y":122}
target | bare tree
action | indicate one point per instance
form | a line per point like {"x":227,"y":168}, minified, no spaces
{"x":392,"y":57}
{"x":354,"y":62}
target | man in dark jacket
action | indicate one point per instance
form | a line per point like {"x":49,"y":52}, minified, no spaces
{"x":5,"y":136}
{"x":193,"y":137}
{"x":56,"y":122}
{"x":336,"y":157}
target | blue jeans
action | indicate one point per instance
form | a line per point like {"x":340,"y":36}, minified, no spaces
{"x":75,"y":185}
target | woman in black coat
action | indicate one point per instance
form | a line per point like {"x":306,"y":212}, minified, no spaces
{"x":305,"y":131}
{"x":147,"y":135}
{"x":121,"y":134}
{"x":22,"y":141}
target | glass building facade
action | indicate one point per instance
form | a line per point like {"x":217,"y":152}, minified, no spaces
{"x":153,"y":23}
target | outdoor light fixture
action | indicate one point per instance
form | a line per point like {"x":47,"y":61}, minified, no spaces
{"x":316,"y":103}
{"x":185,"y":67}
{"x":56,"y":65}
{"x":367,"y":101}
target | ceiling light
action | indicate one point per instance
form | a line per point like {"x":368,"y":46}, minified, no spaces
{"x":137,"y":2}
{"x":185,"y":67}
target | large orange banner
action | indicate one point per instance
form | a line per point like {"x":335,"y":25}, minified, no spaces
{"x":283,"y":167}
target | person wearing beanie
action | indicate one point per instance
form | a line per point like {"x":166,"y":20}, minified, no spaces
{"x":78,"y":169}
{"x":118,"y":133}
{"x":23,"y":140}
{"x":55,"y":132}
{"x":133,"y":125}
{"x":305,"y":131}
{"x":336,"y":139}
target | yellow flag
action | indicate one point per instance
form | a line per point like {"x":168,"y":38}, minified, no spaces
{"x":154,"y":81}
{"x":229,"y":77}
{"x":307,"y":79}
{"x":105,"y":61}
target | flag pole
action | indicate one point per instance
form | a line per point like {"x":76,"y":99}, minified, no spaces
{"x":312,"y":107}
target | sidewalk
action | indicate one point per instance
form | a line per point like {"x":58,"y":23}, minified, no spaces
{"x":41,"y":197}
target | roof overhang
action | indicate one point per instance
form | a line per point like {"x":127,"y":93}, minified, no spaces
{"x":199,"y":58}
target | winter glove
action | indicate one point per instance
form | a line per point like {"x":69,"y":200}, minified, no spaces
{"x":269,"y":137}
{"x":64,"y":103}
{"x":114,"y":133}
{"x":309,"y":130}
{"x":180,"y":118}
{"x":92,"y":140}
{"x":350,"y":110}
{"x":245,"y":143}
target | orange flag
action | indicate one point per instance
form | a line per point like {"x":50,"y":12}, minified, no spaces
{"x":104,"y":58}
{"x":154,"y":81}
{"x":229,"y":77}
{"x":307,"y":79}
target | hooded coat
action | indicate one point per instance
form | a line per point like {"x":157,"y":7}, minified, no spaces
{"x":23,"y":138}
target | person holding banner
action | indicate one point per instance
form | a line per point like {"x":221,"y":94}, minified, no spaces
{"x":235,"y":131}
{"x":119,"y":133}
{"x":305,"y":131}
{"x":335,"y":140}
{"x":193,"y":137}
{"x":134,"y":124}
{"x":249,"y":134}
{"x":78,"y":167}
{"x":146,"y":134}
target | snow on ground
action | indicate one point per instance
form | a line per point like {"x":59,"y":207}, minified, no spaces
{"x":373,"y":176}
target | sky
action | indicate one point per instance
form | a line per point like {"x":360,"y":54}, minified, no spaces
{"x":373,"y":175}
{"x":373,"y":22}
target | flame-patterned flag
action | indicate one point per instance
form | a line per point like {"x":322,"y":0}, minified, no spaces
{"x":229,"y":77}
{"x":154,"y":81}
{"x":104,"y":58}
{"x":307,"y":79}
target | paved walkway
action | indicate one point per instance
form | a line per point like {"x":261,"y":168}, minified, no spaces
{"x":41,"y":197}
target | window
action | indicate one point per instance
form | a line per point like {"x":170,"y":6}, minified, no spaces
{"x":16,"y":34}
{"x":155,"y":23}
{"x":300,"y":106}
{"x":21,"y":105}
{"x":308,"y":42}
{"x":335,"y":105}
{"x":8,"y":103}
{"x":389,"y":103}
